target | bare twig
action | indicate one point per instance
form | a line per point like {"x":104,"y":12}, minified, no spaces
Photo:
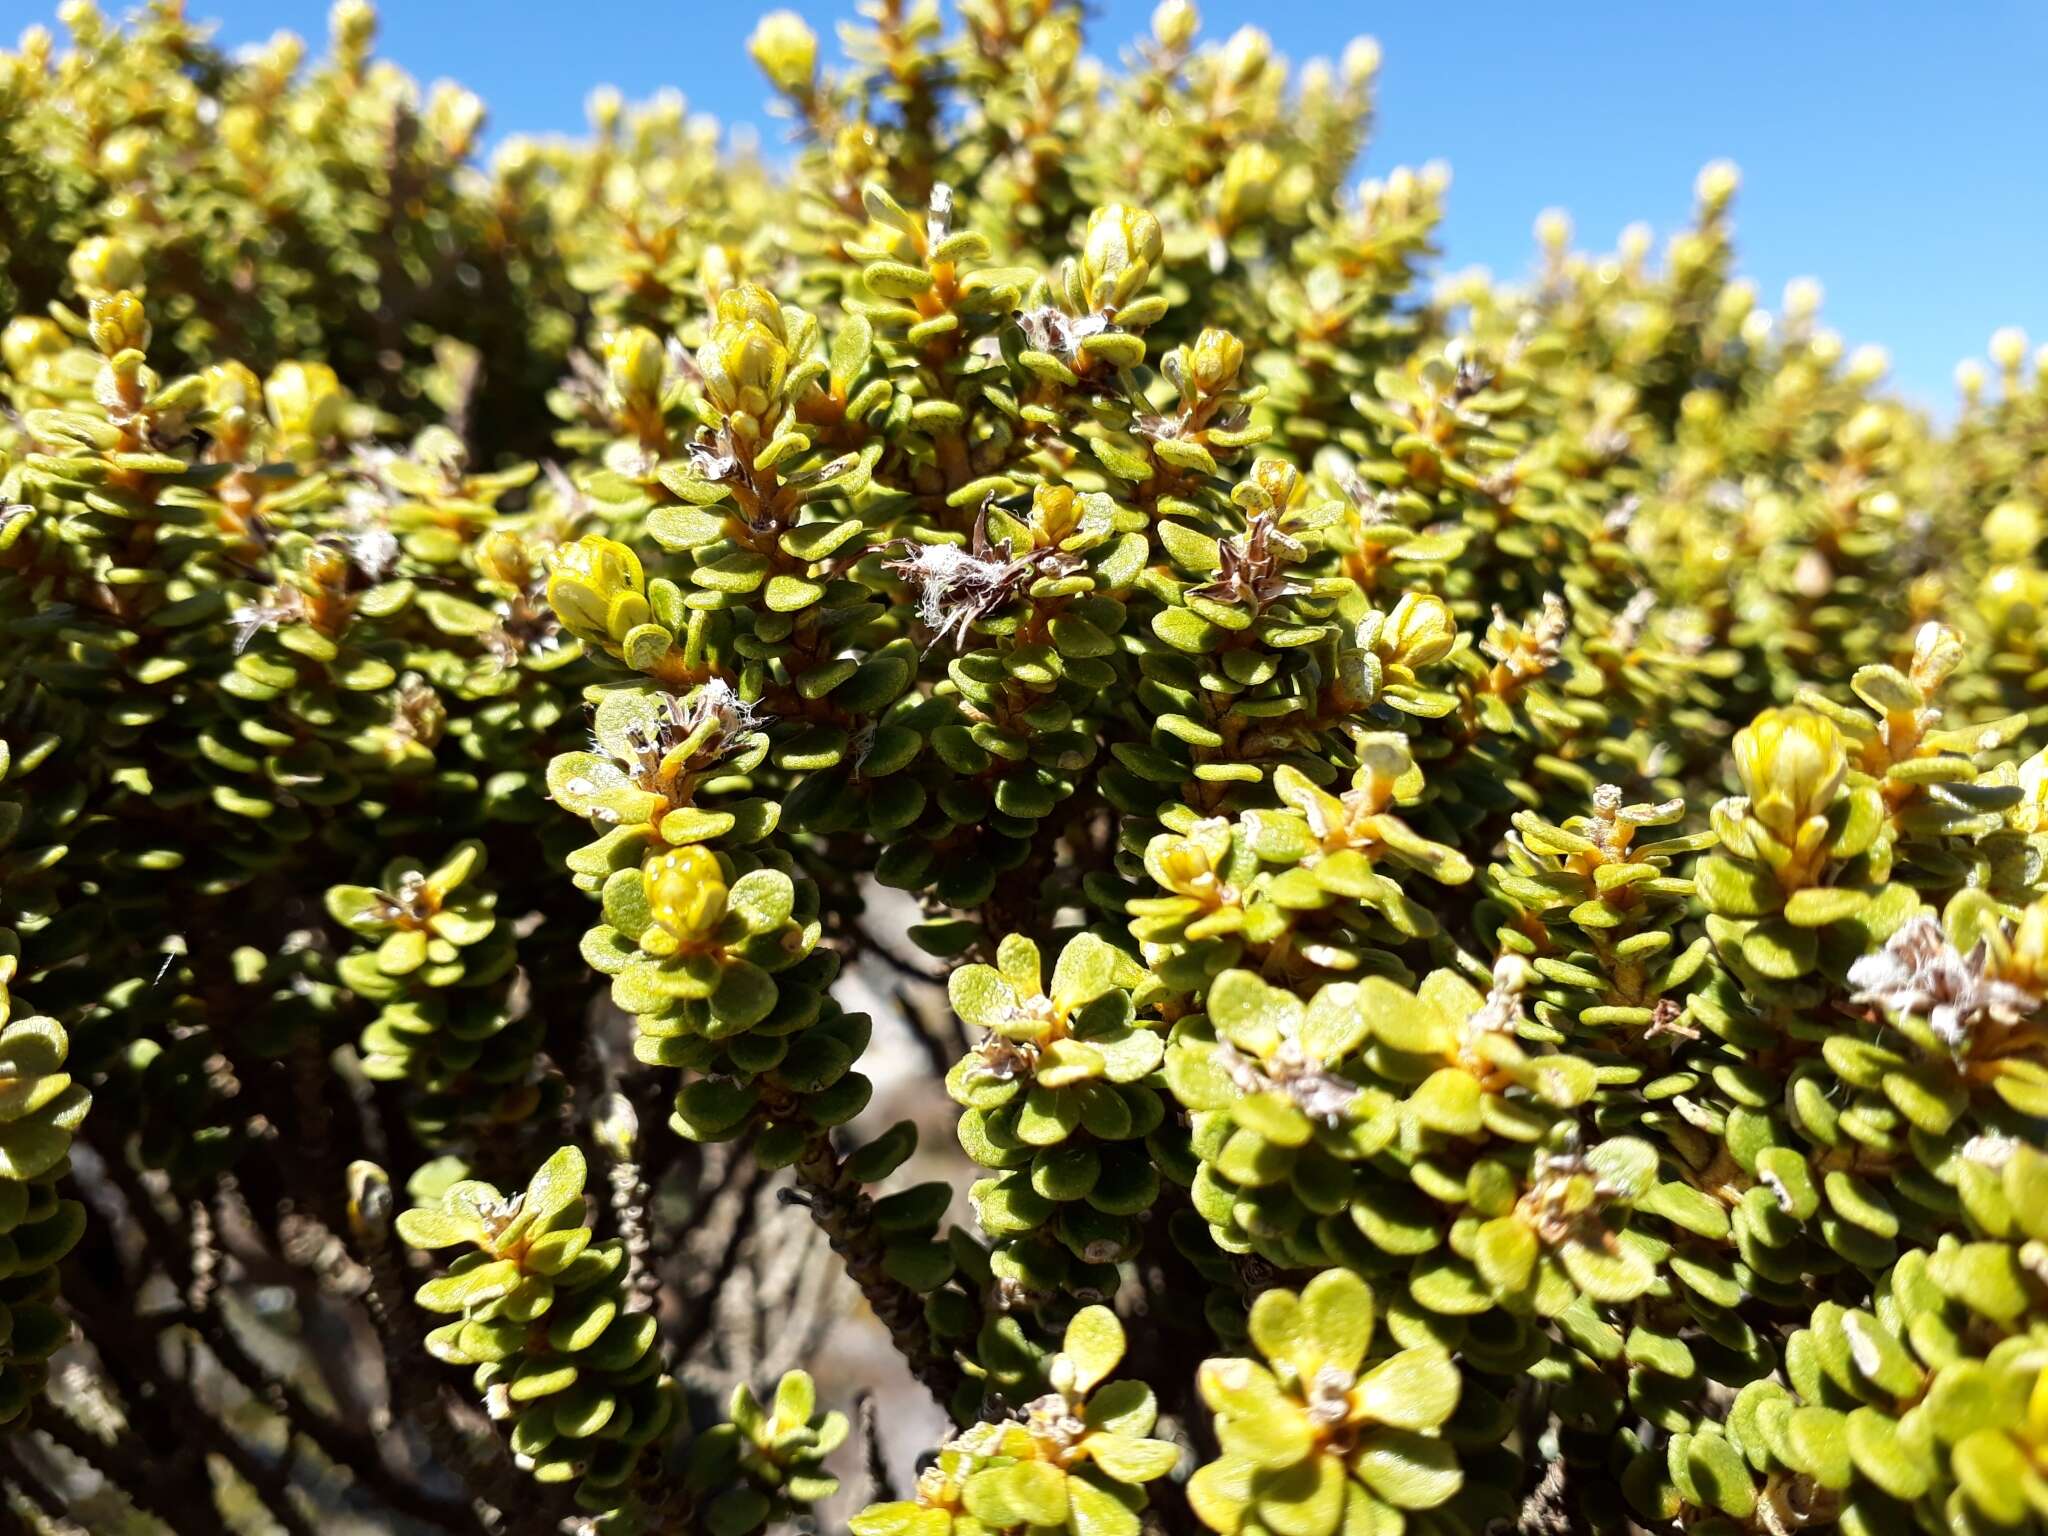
{"x":844,"y":1213}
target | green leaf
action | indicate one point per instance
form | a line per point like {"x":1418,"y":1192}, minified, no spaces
{"x":1449,"y":1100}
{"x":1094,"y":1344}
{"x":1306,"y":1499}
{"x":1416,"y":1389}
{"x":427,"y":1228}
{"x":1026,"y":1493}
{"x":1129,"y":1459}
{"x":1093,"y":1511}
{"x":1409,"y":1471}
{"x":1255,"y":1420}
{"x":555,"y":1187}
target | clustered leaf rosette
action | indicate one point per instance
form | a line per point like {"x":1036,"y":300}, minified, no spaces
{"x":1275,"y":1120}
{"x":1056,"y":1098}
{"x":766,"y":1463}
{"x":1920,"y":1409}
{"x":1075,"y":1459}
{"x":1801,"y":851}
{"x":441,"y":970}
{"x":1299,"y":887}
{"x":1607,"y":956}
{"x":1317,"y":1435}
{"x":540,"y":1314}
{"x":1945,"y":813}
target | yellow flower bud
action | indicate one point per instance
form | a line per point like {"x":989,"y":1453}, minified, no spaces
{"x":27,"y":339}
{"x":352,"y":24}
{"x":716,"y":272}
{"x":1245,"y":56}
{"x":241,"y":130}
{"x":746,"y":357}
{"x":234,"y":401}
{"x":81,"y":18}
{"x":1554,"y":230}
{"x":1868,"y":363}
{"x":2028,"y":965}
{"x":1793,"y":763}
{"x":123,"y":153}
{"x":1418,"y":633}
{"x":455,"y":117}
{"x":104,"y":265}
{"x":2008,"y":348}
{"x":1118,"y":254}
{"x":1360,"y":61}
{"x":1803,"y":297}
{"x":1281,"y":482}
{"x":502,"y":557}
{"x":1937,"y":652}
{"x":1247,"y":187}
{"x":635,"y":364}
{"x":326,"y":567}
{"x":2012,"y":529}
{"x":232,"y":390}
{"x":751,"y":304}
{"x":1175,"y":23}
{"x":2012,"y":596}
{"x":305,"y":401}
{"x":1213,"y":362}
{"x":597,"y":589}
{"x":1867,"y":431}
{"x":2031,"y":814}
{"x":685,"y":892}
{"x":1718,"y":183}
{"x":1055,"y":514}
{"x":1051,"y":47}
{"x":117,"y":322}
{"x":1187,"y":868}
{"x":787,"y":50}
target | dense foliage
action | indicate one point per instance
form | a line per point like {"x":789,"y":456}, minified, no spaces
{"x":1487,"y":847}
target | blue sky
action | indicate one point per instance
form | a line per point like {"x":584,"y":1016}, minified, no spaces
{"x":1895,"y":149}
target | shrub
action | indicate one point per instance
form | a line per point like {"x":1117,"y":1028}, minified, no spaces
{"x":1483,"y":847}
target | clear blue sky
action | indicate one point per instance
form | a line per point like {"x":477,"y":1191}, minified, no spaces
{"x":1895,"y":149}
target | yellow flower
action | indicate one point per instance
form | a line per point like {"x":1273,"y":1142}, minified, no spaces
{"x":2012,"y":529}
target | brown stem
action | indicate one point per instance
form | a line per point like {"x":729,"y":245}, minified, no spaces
{"x":843,"y":1214}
